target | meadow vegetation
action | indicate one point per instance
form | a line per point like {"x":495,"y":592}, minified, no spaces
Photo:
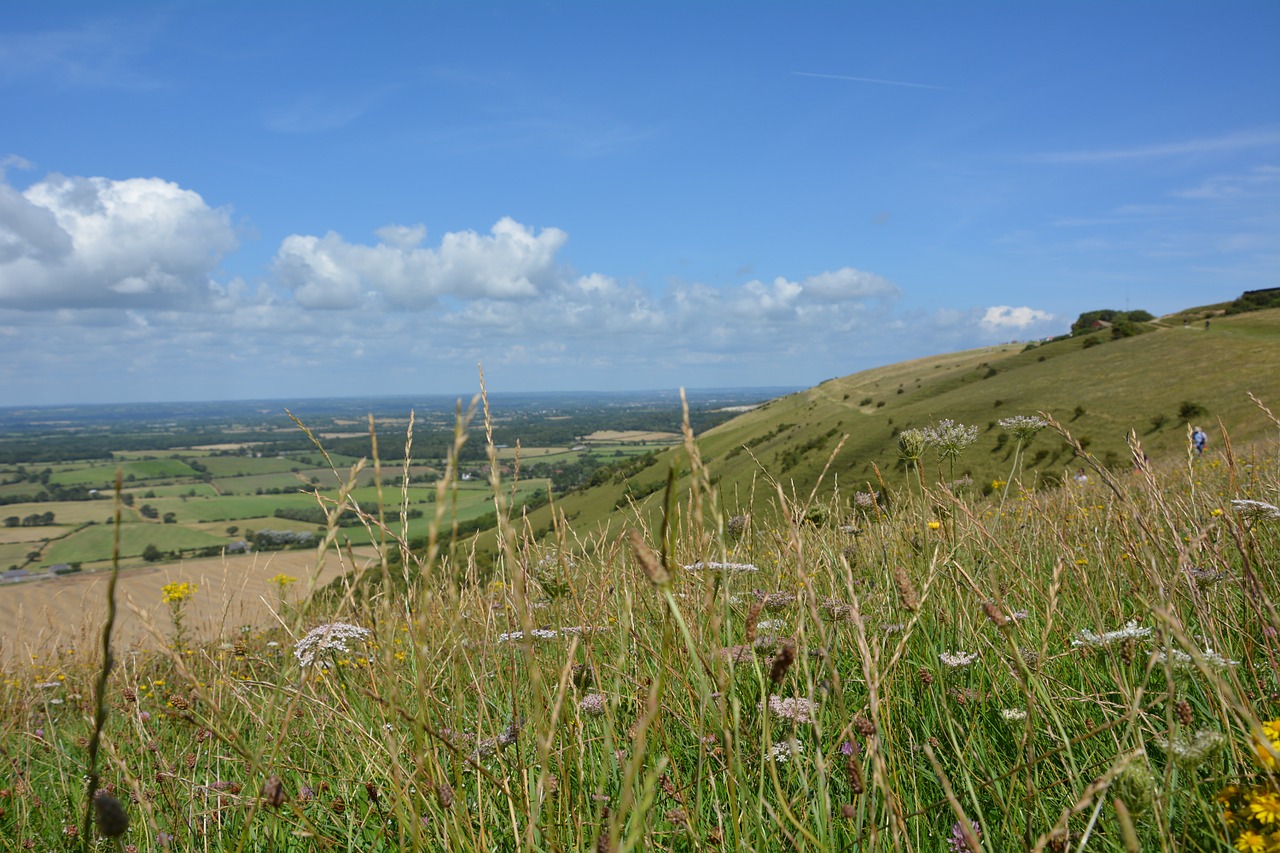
{"x":883,"y":663}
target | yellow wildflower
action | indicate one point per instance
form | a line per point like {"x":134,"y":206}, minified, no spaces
{"x":1264,"y":808}
{"x":176,"y":593}
{"x":934,"y":525}
{"x":1251,"y":842}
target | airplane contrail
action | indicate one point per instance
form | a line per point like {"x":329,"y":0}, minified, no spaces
{"x":868,"y":80}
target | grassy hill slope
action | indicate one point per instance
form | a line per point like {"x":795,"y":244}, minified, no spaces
{"x":1153,"y":384}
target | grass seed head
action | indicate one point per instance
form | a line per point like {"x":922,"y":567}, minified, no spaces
{"x":109,"y":814}
{"x":648,"y":560}
{"x":906,"y":592}
{"x":273,"y":792}
{"x":782,"y":662}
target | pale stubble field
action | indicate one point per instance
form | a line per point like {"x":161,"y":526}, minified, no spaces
{"x":42,"y":618}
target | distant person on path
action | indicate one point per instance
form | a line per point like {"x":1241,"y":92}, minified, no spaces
{"x":1198,"y":440}
{"x":1206,"y":325}
{"x":1081,"y":476}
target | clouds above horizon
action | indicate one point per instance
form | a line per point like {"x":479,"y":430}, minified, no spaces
{"x":127,"y":275}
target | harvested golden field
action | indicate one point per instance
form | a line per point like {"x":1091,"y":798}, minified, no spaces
{"x":40,"y":617}
{"x":631,"y":435}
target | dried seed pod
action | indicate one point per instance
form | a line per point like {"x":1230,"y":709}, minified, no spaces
{"x":865,"y":727}
{"x":1183,"y":709}
{"x":926,"y":677}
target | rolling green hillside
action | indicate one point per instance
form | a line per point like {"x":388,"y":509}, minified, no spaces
{"x":1152,"y":383}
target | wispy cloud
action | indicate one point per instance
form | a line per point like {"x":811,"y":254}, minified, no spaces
{"x":325,"y":111}
{"x":98,"y":55}
{"x":875,"y":80}
{"x":1261,"y":180}
{"x":1209,"y":145}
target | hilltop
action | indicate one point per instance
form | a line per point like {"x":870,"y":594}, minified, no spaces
{"x":1101,"y":387}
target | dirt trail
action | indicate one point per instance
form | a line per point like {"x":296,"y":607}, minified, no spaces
{"x":39,"y":617}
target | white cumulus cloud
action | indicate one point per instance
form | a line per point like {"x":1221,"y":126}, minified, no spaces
{"x":510,"y":262}
{"x":96,"y":242}
{"x":999,"y":318}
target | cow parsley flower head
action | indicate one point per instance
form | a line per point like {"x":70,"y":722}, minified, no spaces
{"x":950,"y":438}
{"x":1130,"y":631}
{"x":1181,"y":660}
{"x":330,"y":637}
{"x":1023,"y":427}
{"x":958,"y":659}
{"x":716,"y":566}
{"x":1190,"y":752}
{"x":911,"y":444}
{"x":1256,"y":510}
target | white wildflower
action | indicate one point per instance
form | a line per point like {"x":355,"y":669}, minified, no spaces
{"x":1023,"y":427}
{"x":583,"y":630}
{"x":330,"y":637}
{"x":1181,"y":660}
{"x":958,"y":659}
{"x":950,"y":438}
{"x":1256,"y":510}
{"x":1014,"y":715}
{"x":716,"y":566}
{"x":1129,"y":631}
{"x":771,"y":626}
{"x":593,"y":705}
{"x":782,"y":752}
{"x":1189,"y":753}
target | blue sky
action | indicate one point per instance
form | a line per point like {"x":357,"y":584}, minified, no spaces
{"x":246,"y":200}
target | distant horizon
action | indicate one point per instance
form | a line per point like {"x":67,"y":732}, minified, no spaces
{"x":674,"y":392}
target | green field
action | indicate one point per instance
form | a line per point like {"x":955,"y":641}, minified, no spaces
{"x":65,"y":512}
{"x":93,"y":542}
{"x":104,"y":476}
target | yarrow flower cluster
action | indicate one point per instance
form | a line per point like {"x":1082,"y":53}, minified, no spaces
{"x":949,"y":437}
{"x":324,"y":638}
{"x":1130,"y":631}
{"x":782,"y":752}
{"x":1023,"y":427}
{"x":958,"y":659}
{"x":798,"y":710}
{"x":593,"y":705}
{"x":1014,"y":715}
